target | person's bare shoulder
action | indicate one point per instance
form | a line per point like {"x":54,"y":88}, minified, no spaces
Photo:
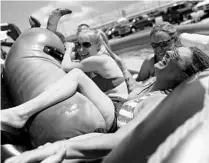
{"x":149,"y":59}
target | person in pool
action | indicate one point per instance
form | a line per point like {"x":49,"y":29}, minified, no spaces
{"x":83,"y":27}
{"x":97,"y":63}
{"x":163,"y":37}
{"x":175,"y":67}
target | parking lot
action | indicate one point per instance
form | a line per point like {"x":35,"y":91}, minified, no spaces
{"x":179,"y":13}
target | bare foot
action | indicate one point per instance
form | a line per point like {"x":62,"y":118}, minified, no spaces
{"x":12,"y":118}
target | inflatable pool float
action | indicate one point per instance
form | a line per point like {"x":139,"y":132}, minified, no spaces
{"x":29,"y":70}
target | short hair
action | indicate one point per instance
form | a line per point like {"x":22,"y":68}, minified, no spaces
{"x":199,"y":61}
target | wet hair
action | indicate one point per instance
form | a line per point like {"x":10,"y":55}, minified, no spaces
{"x":199,"y":61}
{"x":169,"y":29}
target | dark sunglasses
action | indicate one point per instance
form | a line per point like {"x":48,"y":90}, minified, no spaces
{"x":84,"y":44}
{"x":161,"y":44}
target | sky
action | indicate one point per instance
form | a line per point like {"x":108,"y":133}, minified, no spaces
{"x":90,"y":12}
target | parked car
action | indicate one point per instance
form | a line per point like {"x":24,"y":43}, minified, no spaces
{"x":178,"y":12}
{"x":140,"y":22}
{"x":124,"y":26}
{"x":155,"y":13}
{"x":200,"y":12}
{"x":204,"y":7}
{"x":112,"y":32}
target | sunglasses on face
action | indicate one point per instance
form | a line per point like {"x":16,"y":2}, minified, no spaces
{"x":84,"y":44}
{"x":161,"y":44}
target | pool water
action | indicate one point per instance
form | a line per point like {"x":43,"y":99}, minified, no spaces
{"x":134,"y":56}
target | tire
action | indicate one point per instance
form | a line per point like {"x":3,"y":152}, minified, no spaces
{"x":133,"y":30}
{"x":110,"y":37}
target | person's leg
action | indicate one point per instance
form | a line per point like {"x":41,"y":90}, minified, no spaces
{"x":61,"y":90}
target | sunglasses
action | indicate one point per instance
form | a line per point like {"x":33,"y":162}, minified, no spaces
{"x":161,"y":44}
{"x":84,"y":44}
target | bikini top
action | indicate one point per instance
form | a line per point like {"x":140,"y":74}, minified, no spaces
{"x":105,"y":84}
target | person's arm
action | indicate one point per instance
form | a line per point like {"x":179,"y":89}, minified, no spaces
{"x":131,"y":143}
{"x":85,"y":147}
{"x":67,"y":57}
{"x":144,"y":72}
{"x":87,"y":65}
{"x":92,"y":145}
{"x":130,"y":81}
{"x":89,"y":146}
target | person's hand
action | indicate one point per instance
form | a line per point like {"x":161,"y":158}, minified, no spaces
{"x":55,"y":151}
{"x":56,"y":158}
{"x":70,"y":46}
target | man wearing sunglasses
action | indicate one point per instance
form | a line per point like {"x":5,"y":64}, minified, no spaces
{"x":163,"y":37}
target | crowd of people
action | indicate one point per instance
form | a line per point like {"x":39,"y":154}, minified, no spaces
{"x":99,"y":74}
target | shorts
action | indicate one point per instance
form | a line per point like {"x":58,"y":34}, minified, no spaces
{"x":118,"y":103}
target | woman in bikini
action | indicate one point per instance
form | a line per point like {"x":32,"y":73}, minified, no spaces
{"x":163,"y":37}
{"x":97,"y":64}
